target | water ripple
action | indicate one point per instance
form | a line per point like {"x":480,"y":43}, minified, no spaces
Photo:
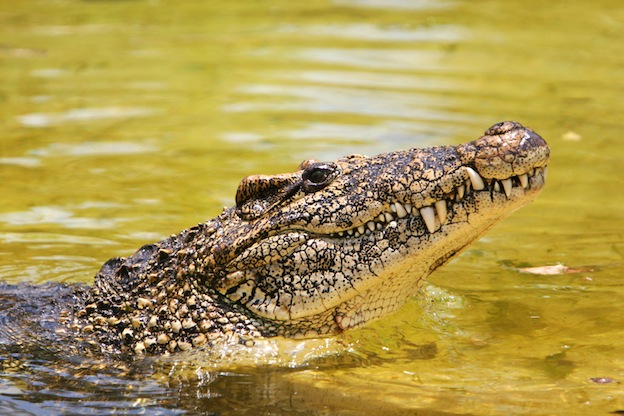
{"x":370,"y":79}
{"x":316,"y":99}
{"x":369,"y":32}
{"x":56,"y":215}
{"x":82,"y":114}
{"x":94,"y":149}
{"x":398,"y":4}
{"x":387,"y":59}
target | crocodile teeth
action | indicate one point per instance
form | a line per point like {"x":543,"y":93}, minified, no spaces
{"x":475,"y":178}
{"x":400,"y":210}
{"x":436,"y":215}
{"x":507,"y":185}
{"x":440,"y":207}
{"x":428,"y":214}
{"x":524,"y":180}
{"x":460,"y":191}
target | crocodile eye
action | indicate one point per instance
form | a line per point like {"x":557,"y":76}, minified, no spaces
{"x":318,"y":175}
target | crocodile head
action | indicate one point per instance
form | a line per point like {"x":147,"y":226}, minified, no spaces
{"x":314,"y":252}
{"x":337,"y":244}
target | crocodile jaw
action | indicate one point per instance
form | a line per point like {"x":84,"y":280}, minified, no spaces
{"x":363,"y":244}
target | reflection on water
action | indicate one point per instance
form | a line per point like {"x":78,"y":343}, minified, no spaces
{"x":352,"y":101}
{"x":80,"y":114}
{"x":55,"y":215}
{"x":398,"y":4}
{"x":379,"y":59}
{"x":93,"y":148}
{"x":369,"y":32}
{"x":126,"y":121}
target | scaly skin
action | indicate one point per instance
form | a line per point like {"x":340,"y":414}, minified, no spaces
{"x":314,"y":252}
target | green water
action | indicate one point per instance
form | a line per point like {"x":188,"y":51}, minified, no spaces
{"x":125,"y":121}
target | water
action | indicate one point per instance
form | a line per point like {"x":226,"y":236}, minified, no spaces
{"x":123,"y":122}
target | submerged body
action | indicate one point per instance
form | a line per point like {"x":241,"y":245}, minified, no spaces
{"x":310,"y":253}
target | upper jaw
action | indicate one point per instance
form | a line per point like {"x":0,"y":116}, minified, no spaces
{"x":437,"y":213}
{"x":509,"y":160}
{"x":508,"y":163}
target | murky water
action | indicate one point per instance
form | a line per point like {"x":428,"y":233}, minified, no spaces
{"x":123,"y":122}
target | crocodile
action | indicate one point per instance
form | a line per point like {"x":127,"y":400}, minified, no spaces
{"x":311,"y":253}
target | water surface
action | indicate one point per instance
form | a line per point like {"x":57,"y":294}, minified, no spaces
{"x":124,"y":122}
